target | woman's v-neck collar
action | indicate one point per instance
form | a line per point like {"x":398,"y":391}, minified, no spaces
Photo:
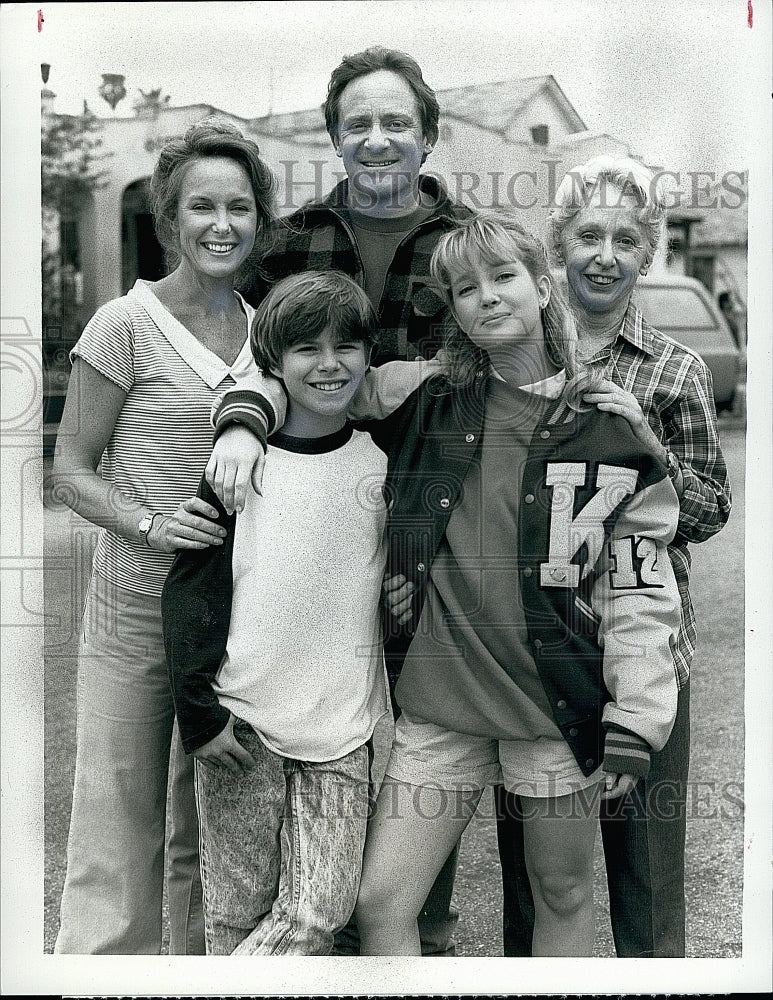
{"x":207,"y":365}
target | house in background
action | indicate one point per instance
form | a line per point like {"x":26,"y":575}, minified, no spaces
{"x":532,"y":110}
{"x":709,"y":241}
{"x":504,"y":143}
{"x":507,"y":142}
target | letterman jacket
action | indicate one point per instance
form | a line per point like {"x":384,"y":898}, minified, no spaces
{"x":595,"y":516}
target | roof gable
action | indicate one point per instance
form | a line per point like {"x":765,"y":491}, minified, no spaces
{"x":492,"y":106}
{"x":495,"y":106}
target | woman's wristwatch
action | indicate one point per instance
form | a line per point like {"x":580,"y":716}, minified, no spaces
{"x":145,"y":526}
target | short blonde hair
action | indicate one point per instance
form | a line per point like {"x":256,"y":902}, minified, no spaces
{"x":627,"y":174}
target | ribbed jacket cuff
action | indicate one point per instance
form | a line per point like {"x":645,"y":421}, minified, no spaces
{"x":625,"y":752}
{"x":246,"y":408}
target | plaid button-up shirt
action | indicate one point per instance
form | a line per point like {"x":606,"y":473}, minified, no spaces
{"x":319,"y":237}
{"x":674,"y":389}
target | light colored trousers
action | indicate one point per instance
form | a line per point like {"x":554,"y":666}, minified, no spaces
{"x":281,"y":850}
{"x":113,"y":891}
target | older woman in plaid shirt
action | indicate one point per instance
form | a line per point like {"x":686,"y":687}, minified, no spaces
{"x":606,"y":224}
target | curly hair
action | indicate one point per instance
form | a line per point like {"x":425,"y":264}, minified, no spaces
{"x":497,"y":237}
{"x":211,"y":137}
{"x":624,"y":173}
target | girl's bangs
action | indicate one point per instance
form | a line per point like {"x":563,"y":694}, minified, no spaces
{"x":492,"y":244}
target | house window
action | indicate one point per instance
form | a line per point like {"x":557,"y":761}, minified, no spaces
{"x":69,"y":242}
{"x":539,"y":135}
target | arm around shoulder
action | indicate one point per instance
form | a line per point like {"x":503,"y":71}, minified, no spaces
{"x":257,"y":400}
{"x":386,"y":387}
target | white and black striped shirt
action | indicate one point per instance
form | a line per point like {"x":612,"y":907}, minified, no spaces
{"x":163,"y":436}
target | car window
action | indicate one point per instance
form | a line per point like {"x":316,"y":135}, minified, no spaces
{"x":673,"y":307}
{"x":682,"y":314}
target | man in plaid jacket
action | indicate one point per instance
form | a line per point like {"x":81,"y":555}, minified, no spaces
{"x":381,"y":224}
{"x":322,"y":236}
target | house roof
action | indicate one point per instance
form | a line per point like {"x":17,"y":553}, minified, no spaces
{"x":492,"y":106}
{"x":495,"y":105}
{"x":720,"y":216}
{"x":722,"y":227}
{"x":290,"y":123}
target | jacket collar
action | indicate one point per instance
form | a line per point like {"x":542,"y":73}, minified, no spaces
{"x":337,"y":200}
{"x":551,"y":387}
{"x":469,"y":399}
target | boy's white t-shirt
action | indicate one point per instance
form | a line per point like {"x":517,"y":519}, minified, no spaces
{"x":304,"y":664}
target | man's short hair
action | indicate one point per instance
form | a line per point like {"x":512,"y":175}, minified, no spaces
{"x":301,"y":307}
{"x":371,"y":61}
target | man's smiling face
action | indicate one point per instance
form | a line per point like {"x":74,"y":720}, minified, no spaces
{"x":381,"y":141}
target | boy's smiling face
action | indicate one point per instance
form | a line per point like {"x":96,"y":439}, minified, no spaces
{"x":321,"y":375}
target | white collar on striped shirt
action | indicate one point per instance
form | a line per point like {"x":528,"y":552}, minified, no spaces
{"x":207,"y":365}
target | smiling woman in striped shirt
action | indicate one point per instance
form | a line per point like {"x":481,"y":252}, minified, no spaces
{"x":145,"y":373}
{"x":607,"y":222}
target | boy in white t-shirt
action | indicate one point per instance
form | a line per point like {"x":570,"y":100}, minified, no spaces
{"x":273,"y":643}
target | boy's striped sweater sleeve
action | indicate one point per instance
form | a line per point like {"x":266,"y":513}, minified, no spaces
{"x":257,"y":401}
{"x":625,"y":752}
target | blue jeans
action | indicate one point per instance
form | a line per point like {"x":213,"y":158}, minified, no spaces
{"x":281,"y":850}
{"x":113,"y":890}
{"x":644,"y":838}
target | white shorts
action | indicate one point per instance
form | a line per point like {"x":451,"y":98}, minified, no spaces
{"x":426,"y":754}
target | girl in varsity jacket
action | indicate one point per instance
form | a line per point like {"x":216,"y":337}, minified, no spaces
{"x":544,"y":605}
{"x":536,"y":600}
